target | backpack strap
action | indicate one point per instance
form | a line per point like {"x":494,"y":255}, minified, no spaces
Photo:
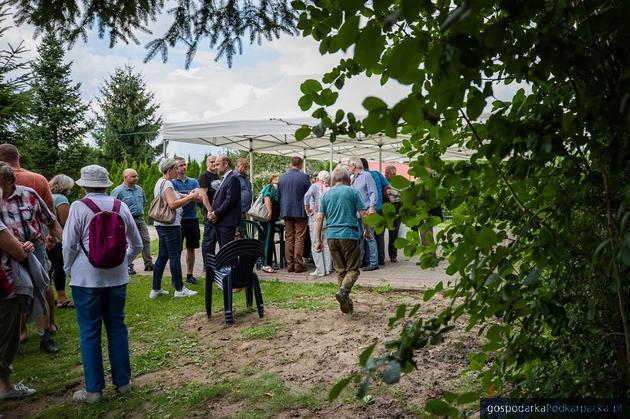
{"x":116,"y":208}
{"x":91,"y":205}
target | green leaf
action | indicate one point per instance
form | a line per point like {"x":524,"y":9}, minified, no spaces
{"x":305,"y":102}
{"x":469,"y":397}
{"x":486,"y":238}
{"x":302,"y":132}
{"x":400,"y":311}
{"x":389,"y":209}
{"x":372,"y":103}
{"x":338,"y":388}
{"x":391,"y":373}
{"x":310,"y":86}
{"x":348,"y":32}
{"x":476,"y":103}
{"x":365,"y":355}
{"x":369,"y":46}
{"x":319,"y":130}
{"x":437,"y":407}
{"x":399,"y":182}
{"x":413,"y":113}
{"x":404,"y":60}
{"x":298,"y":5}
{"x":428,"y":294}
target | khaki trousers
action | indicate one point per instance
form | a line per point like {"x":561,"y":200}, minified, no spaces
{"x":295,"y":234}
{"x":346,"y":258}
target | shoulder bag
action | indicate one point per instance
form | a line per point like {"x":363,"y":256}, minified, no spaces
{"x":159,"y":210}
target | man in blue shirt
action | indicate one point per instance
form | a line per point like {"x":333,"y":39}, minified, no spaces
{"x":132,"y":194}
{"x":381,"y":183}
{"x":340,"y":206}
{"x":190,"y":222}
{"x":363,"y":183}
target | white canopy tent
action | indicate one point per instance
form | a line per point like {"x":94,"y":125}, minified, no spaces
{"x":268,"y":125}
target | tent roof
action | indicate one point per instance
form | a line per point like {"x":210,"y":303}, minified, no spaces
{"x":268,"y":124}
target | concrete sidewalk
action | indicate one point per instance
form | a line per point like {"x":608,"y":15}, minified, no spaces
{"x":402,"y":275}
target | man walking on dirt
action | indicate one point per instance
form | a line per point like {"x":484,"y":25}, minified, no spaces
{"x":339,"y":206}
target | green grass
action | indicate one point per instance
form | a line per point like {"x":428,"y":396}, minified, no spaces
{"x":383,"y":288}
{"x":158,"y":342}
{"x":264,"y":331}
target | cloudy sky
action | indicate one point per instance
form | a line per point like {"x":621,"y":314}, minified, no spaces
{"x":207,"y":89}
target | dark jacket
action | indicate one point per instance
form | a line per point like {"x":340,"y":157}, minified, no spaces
{"x":292,"y":187}
{"x":227,"y":201}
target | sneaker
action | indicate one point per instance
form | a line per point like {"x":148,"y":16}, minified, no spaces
{"x":156,"y":293}
{"x":185,"y":292}
{"x":370,"y":268}
{"x":124,"y":389}
{"x":87,"y":397}
{"x":131,"y":271}
{"x":344,"y":300}
{"x":48,"y":346}
{"x":17,"y":392}
{"x":192,"y":280}
{"x":315,"y":273}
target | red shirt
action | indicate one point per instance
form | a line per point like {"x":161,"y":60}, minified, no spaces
{"x":36,"y":182}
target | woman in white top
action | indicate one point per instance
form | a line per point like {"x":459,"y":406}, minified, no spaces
{"x":170,"y":235}
{"x":312,"y":198}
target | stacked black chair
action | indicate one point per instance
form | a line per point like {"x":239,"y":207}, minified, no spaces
{"x":233,"y":267}
{"x":250,"y":230}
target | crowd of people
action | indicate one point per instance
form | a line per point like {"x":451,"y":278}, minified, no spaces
{"x":95,"y":240}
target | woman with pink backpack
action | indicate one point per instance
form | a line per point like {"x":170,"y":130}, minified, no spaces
{"x":99,"y":238}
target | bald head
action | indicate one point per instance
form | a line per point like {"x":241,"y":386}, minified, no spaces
{"x":130,"y":177}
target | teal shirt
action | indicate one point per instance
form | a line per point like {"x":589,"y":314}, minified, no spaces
{"x":134,"y":198}
{"x":340,"y":205}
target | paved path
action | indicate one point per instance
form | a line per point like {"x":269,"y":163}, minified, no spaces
{"x":402,"y":275}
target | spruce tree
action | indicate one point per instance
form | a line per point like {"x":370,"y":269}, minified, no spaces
{"x":13,"y":84}
{"x":128,"y":121}
{"x":53,"y":140}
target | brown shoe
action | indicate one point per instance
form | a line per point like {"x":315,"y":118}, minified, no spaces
{"x":289,"y":268}
{"x":300,"y":270}
{"x":345,"y":304}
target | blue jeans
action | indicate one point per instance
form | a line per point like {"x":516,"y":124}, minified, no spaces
{"x":93,"y":307}
{"x":170,"y":249}
{"x":371,"y":246}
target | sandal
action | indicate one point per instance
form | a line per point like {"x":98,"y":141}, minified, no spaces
{"x":65,"y":304}
{"x":269,"y":269}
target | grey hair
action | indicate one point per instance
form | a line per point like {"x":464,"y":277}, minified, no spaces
{"x":61,"y":184}
{"x":324,"y":176}
{"x":6,"y":172}
{"x":166,"y":164}
{"x":341,"y":175}
{"x":356,"y":162}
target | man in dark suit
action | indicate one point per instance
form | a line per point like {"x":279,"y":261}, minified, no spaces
{"x":226,"y":208}
{"x":292,"y":186}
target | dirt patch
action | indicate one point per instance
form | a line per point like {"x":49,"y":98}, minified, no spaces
{"x":310,"y":349}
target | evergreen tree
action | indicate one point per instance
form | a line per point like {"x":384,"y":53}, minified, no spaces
{"x":53,"y":139}
{"x":13,"y":90}
{"x":128,"y":122}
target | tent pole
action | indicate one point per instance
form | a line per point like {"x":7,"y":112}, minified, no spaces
{"x":304,"y":158}
{"x":380,"y":158}
{"x":164,"y":143}
{"x":251,"y":164}
{"x":332,"y":159}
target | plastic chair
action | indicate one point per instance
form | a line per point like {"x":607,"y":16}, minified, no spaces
{"x":233,"y":267}
{"x":250,"y":230}
{"x":279,"y":229}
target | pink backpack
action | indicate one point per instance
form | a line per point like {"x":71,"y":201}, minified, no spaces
{"x":106,"y":231}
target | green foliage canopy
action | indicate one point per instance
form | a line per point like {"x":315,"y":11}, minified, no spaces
{"x":540,"y":236}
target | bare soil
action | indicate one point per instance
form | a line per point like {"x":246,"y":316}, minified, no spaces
{"x":317,"y":348}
